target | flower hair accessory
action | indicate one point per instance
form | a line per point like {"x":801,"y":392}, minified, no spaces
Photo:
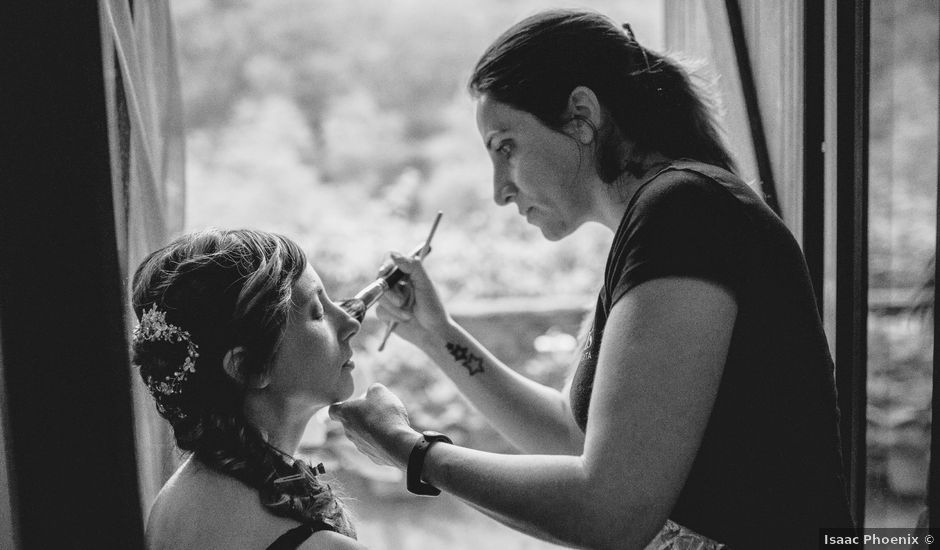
{"x":154,"y":328}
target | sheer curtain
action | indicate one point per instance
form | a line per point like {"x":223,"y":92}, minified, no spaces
{"x":147,"y":165}
{"x":701,"y":30}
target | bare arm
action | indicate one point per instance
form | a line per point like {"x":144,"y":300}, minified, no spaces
{"x":658,"y":373}
{"x":513,"y":524}
{"x":534,"y":417}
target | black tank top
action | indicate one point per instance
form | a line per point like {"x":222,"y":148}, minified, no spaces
{"x":296,"y":536}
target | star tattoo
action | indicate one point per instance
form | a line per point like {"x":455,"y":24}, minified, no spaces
{"x":458,"y":352}
{"x":471,"y":362}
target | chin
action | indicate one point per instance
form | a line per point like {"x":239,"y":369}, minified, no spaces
{"x":342,"y":390}
{"x":555,"y":233}
{"x":346,"y":389}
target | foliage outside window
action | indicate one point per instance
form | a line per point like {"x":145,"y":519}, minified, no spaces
{"x":902,"y":232}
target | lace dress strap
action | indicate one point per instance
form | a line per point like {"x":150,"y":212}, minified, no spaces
{"x":296,"y":536}
{"x":676,"y":537}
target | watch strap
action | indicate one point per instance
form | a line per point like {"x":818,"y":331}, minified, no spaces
{"x":416,"y":463}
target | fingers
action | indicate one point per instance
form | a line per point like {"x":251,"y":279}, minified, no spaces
{"x":375,"y":390}
{"x":398,"y":303}
{"x":386,"y":267}
{"x":411,"y":266}
{"x":408,"y":264}
{"x":394,"y":257}
{"x":336,"y":411}
{"x":404,"y":294}
{"x":414,"y":268}
{"x":389,"y":314}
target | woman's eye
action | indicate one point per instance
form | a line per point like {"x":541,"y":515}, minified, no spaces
{"x":505,"y":148}
{"x":317,"y":311}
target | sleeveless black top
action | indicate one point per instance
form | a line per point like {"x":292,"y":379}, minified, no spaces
{"x":296,"y":536}
{"x":768,"y":473}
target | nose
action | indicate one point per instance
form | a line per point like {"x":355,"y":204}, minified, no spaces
{"x":504,"y":191}
{"x":349,"y":324}
{"x":355,"y":307}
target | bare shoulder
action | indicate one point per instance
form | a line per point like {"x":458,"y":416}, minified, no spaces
{"x":329,"y":540}
{"x":200,"y":508}
{"x":169,"y":510}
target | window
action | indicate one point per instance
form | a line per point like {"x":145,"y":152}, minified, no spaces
{"x":902,"y":230}
{"x":347,"y":126}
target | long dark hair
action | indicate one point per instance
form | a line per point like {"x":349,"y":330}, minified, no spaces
{"x":228,"y":289}
{"x":535,"y":65}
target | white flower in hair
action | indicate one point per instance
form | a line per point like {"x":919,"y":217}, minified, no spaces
{"x":154,"y":328}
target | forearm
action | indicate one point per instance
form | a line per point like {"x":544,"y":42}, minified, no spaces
{"x":555,"y":498}
{"x":532,"y":416}
{"x":513,"y":524}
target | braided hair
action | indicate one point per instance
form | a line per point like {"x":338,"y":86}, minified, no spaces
{"x":227,"y":289}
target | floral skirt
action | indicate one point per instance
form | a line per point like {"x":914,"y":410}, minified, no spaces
{"x":676,"y":537}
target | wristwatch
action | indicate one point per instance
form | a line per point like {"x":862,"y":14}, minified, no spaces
{"x":416,"y":464}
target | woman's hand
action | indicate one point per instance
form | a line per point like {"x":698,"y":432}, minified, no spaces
{"x":413,"y":303}
{"x":377,"y":423}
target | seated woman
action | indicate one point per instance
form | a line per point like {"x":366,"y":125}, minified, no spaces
{"x":240,"y":345}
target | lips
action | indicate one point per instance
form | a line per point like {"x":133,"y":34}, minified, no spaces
{"x":349,"y":365}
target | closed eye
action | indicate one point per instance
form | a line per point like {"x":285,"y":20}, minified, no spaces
{"x":316,"y":305}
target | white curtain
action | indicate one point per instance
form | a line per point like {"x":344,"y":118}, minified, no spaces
{"x":701,"y":29}
{"x":147,"y":159}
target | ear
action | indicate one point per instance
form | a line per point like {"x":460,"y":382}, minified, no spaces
{"x":233,"y":362}
{"x":584,"y":113}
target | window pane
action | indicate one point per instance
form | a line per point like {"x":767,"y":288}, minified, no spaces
{"x":903,"y":183}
